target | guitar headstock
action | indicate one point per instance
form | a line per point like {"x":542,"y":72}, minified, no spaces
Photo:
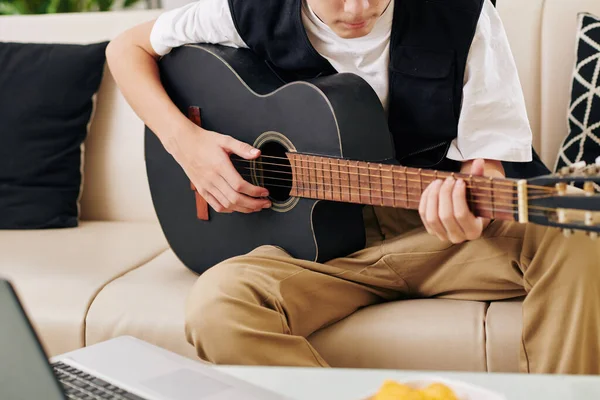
{"x":554,"y":200}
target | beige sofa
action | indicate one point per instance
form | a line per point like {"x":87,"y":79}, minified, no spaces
{"x":115,"y":275}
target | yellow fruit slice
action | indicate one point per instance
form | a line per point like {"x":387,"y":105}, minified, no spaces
{"x":439,"y":391}
{"x":391,"y":390}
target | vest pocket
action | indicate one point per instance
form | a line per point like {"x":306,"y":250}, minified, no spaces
{"x":422,"y":97}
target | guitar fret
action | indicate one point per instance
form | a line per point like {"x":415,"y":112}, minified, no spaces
{"x":355,"y":183}
{"x":357,"y":180}
{"x":335,"y":177}
{"x":368,"y":179}
{"x":319,"y":178}
{"x":406,"y":187}
{"x":393,"y":187}
{"x":299,"y":177}
{"x":324,"y":180}
{"x":420,"y":181}
{"x":312,"y":178}
{"x":315,"y":177}
{"x":349,"y":182}
{"x":306,"y":173}
{"x":294,"y":191}
{"x":471,"y":192}
{"x":327,"y":179}
{"x":343,"y":180}
{"x":338,"y":193}
{"x":295,"y":182}
{"x":493,"y":199}
{"x":480,"y":188}
{"x":330,"y":181}
{"x":372,"y":178}
{"x":381,"y":185}
{"x":302,"y":176}
{"x":387,"y":185}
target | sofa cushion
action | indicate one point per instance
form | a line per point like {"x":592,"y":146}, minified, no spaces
{"x":115,"y":184}
{"x":503,"y":325}
{"x":583,"y":141}
{"x":58,"y":272}
{"x":147,"y":303}
{"x":46,"y":92}
{"x":427,"y":334}
{"x":559,"y":32}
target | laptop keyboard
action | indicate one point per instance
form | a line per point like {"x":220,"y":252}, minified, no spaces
{"x":82,"y":386}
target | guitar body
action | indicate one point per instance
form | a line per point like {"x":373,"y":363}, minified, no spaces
{"x":237,"y":94}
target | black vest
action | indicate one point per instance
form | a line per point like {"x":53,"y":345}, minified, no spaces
{"x":430,"y":42}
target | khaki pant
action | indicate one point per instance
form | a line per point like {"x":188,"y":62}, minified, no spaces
{"x":259,"y":308}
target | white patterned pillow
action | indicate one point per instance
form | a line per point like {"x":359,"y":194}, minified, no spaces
{"x":583,"y":141}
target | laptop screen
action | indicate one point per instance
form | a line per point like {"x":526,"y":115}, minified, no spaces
{"x":25,"y":373}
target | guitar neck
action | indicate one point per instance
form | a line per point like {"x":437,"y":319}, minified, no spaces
{"x":385,"y":185}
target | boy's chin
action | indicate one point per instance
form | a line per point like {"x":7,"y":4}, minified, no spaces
{"x":353,"y":34}
{"x":349,"y":33}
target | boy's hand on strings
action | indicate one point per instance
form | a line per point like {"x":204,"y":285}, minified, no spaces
{"x":443,"y":207}
{"x":204,"y":156}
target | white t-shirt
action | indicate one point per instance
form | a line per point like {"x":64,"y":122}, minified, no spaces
{"x":493,"y":123}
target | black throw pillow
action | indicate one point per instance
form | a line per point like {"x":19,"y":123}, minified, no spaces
{"x":46,"y":102}
{"x":583,"y":140}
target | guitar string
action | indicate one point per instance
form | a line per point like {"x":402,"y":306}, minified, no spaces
{"x":476,"y":178}
{"x":496,"y":211}
{"x":299,"y":156}
{"x":465,"y":177}
{"x":503,"y":181}
{"x":492,"y":203}
{"x":515,"y":196}
{"x":494,"y":190}
{"x":532,"y":193}
{"x":323,"y":185}
{"x":422,"y":173}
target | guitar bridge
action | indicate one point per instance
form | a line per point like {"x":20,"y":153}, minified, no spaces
{"x":201,"y":204}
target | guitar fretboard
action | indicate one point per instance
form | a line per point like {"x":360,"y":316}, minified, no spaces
{"x":385,"y":185}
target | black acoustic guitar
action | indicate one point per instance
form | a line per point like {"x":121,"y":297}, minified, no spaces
{"x":325,"y":151}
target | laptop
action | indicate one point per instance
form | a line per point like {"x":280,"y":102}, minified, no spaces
{"x":124,"y":368}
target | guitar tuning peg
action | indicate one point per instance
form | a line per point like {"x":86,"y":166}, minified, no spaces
{"x":589,"y":189}
{"x":561,"y":188}
{"x":593,"y":235}
{"x":598,"y":161}
{"x":567,"y":232}
{"x":578,"y":166}
{"x":592,"y":170}
{"x":564,"y":171}
{"x":589,"y":218}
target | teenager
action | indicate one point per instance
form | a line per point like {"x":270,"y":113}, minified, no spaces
{"x":447,"y":80}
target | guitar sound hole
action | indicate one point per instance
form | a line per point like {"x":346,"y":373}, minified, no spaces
{"x":275,"y":172}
